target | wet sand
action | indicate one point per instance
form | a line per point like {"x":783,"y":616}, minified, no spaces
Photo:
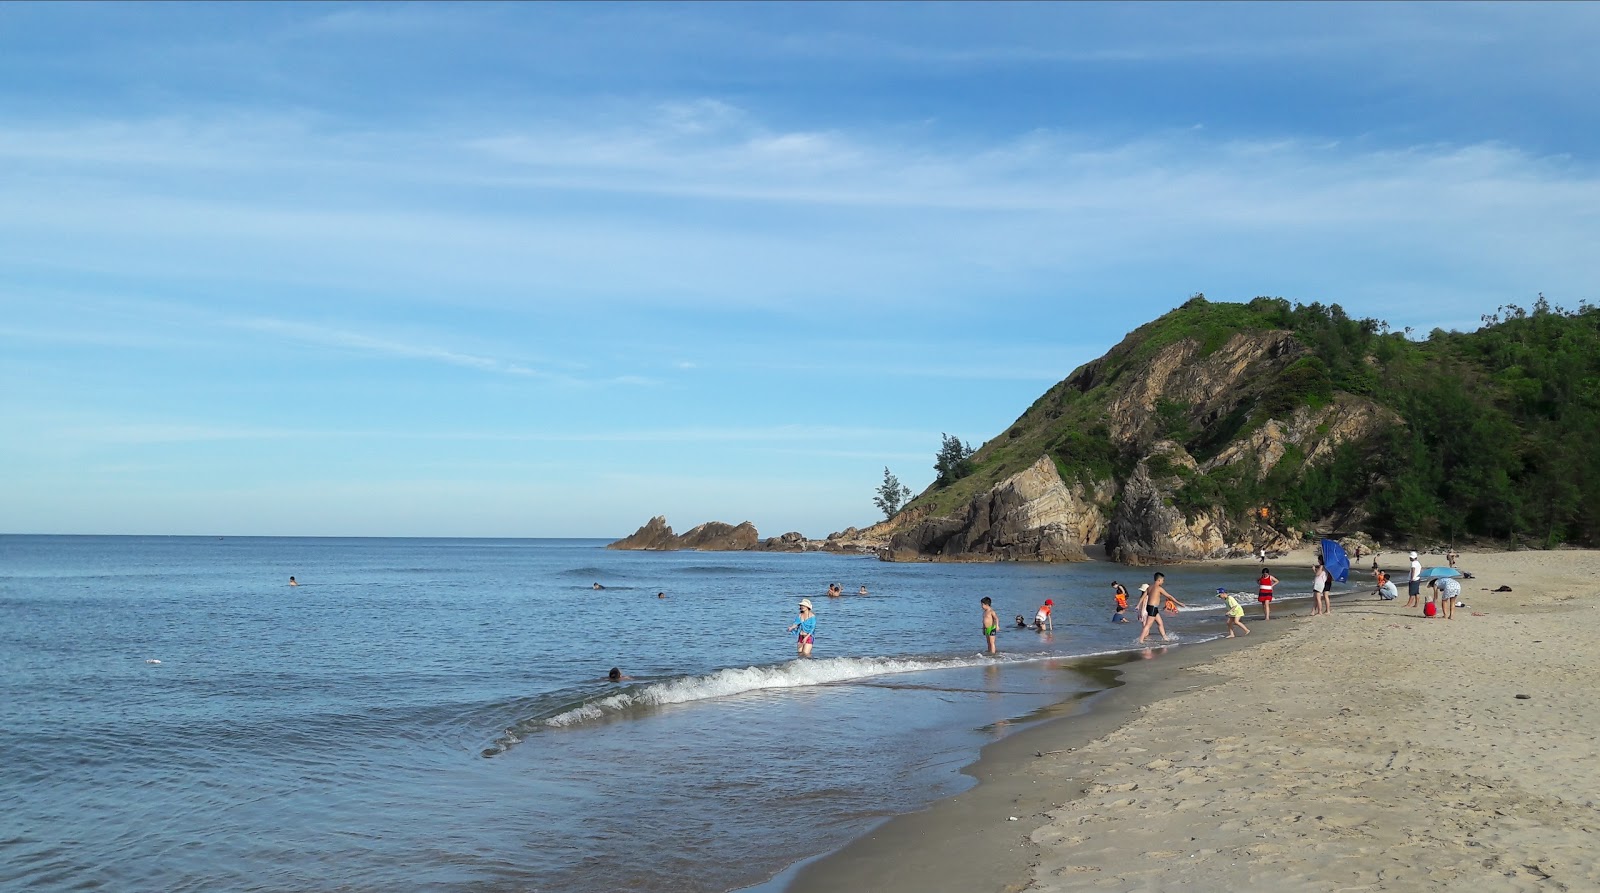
{"x":1371,"y":749}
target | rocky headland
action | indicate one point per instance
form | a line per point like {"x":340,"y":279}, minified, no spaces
{"x":1216,"y":431}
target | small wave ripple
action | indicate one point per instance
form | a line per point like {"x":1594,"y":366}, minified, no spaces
{"x":727,"y":683}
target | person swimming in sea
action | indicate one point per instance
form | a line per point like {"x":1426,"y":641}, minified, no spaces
{"x":616,"y":675}
{"x":293,"y":582}
{"x":598,"y":586}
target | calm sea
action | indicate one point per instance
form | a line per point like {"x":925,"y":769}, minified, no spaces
{"x":434,"y":715}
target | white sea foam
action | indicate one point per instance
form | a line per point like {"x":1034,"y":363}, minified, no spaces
{"x":735,"y":681}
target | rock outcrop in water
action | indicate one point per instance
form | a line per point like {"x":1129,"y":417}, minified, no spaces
{"x":716,"y":536}
{"x":712,"y":536}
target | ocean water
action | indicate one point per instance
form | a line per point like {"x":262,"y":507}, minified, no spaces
{"x":434,"y":714}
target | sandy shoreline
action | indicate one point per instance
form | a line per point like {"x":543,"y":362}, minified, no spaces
{"x":1369,"y":750}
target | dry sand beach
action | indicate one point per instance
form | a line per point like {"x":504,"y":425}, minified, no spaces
{"x":1371,"y":749}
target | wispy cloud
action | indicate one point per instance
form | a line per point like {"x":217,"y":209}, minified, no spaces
{"x":369,"y":344}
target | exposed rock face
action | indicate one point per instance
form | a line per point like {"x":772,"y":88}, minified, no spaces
{"x":1030,"y":516}
{"x":1148,"y":528}
{"x":716,"y":536}
{"x":1316,"y":432}
{"x":1208,"y":386}
{"x":713,"y":536}
{"x":789,"y":542}
{"x":655,"y":534}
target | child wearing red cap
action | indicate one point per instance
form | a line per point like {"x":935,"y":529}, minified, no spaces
{"x":1041,"y":620}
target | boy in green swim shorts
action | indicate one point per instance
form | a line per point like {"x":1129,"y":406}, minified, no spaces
{"x":991,"y":623}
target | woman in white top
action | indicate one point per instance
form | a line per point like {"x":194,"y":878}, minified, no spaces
{"x":1319,"y":591}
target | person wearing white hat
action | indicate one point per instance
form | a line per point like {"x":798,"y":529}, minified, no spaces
{"x":1415,"y":583}
{"x":806,"y":623}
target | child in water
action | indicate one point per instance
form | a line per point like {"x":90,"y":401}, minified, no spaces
{"x":1041,"y":620}
{"x":1122,"y":602}
{"x":991,"y":623}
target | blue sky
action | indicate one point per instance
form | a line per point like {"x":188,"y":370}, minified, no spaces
{"x":549,"y":270}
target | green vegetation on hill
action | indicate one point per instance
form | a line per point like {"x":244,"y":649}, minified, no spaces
{"x":1498,"y":441}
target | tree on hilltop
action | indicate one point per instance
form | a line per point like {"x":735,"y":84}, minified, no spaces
{"x":953,"y":462}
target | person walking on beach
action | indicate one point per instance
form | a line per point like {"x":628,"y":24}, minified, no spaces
{"x":1235,"y":612}
{"x":991,"y":623}
{"x":1415,"y":583}
{"x":1122,"y":602}
{"x":806,"y":623}
{"x":1150,"y":602}
{"x":1264,"y":592}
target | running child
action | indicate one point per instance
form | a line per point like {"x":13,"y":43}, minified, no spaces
{"x":991,"y":623}
{"x":806,"y":623}
{"x":1235,"y":612}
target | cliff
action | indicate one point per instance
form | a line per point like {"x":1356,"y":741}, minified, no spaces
{"x":1031,"y":516}
{"x":1173,"y":446}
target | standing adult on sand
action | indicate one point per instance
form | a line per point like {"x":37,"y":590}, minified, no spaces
{"x":1415,"y":583}
{"x":991,"y":623}
{"x":806,"y":623}
{"x":1264,"y":592}
{"x":1319,"y":590}
{"x":1150,"y":597}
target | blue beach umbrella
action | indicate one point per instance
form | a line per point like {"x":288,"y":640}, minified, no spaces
{"x":1433,"y":573}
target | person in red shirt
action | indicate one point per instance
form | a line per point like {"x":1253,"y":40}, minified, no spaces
{"x":1264,"y":592}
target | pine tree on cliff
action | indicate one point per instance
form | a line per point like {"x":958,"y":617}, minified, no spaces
{"x":892,"y":494}
{"x":953,"y":462}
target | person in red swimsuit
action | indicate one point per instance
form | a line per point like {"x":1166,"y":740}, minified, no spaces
{"x":1264,"y":592}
